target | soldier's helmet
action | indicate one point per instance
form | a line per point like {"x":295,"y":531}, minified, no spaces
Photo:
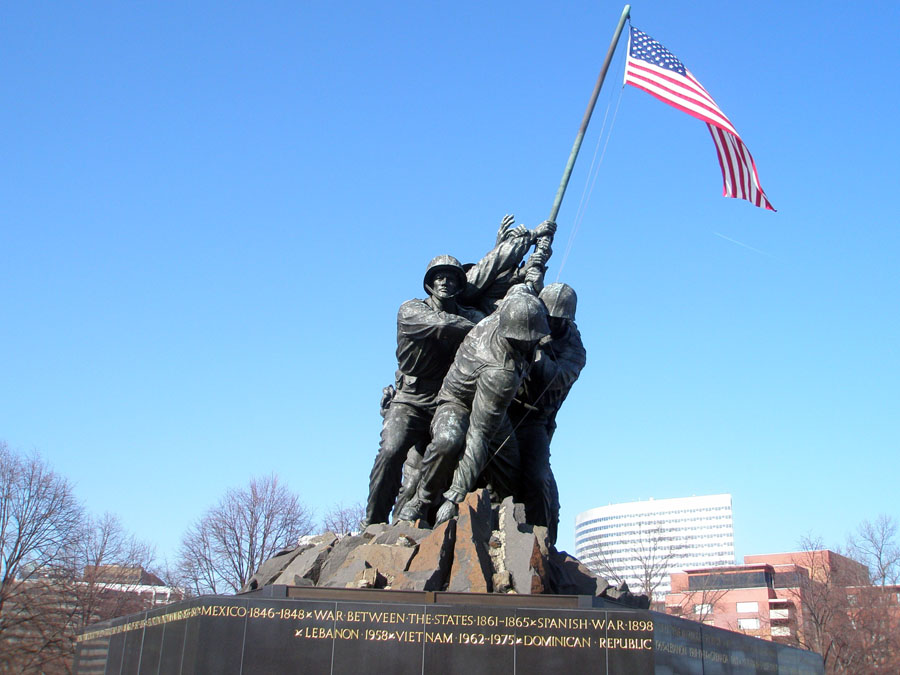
{"x":444,"y":263}
{"x":523,"y":317}
{"x":560,"y":300}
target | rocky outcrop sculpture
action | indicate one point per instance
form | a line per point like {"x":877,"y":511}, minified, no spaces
{"x":489,"y":548}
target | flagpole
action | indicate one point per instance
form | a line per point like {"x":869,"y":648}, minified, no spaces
{"x":587,"y":115}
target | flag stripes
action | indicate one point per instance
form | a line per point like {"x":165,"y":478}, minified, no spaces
{"x":738,"y":168}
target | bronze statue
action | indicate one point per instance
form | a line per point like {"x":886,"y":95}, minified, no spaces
{"x":473,"y":400}
{"x":428,"y":334}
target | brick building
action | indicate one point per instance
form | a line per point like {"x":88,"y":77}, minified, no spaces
{"x":819,"y":600}
{"x":765,"y":596}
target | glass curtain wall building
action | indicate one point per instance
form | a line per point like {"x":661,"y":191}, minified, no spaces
{"x":643,"y":542}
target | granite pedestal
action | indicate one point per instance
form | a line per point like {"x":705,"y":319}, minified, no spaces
{"x":282,"y":629}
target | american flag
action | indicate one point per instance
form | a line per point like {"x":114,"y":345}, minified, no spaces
{"x":656,"y":70}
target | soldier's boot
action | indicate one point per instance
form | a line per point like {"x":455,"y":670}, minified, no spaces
{"x":447,"y":511}
{"x":415,"y":509}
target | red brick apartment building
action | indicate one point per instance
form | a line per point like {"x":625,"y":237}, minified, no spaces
{"x":820,"y":600}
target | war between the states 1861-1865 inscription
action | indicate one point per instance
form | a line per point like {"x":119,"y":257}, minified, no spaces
{"x":347,"y":631}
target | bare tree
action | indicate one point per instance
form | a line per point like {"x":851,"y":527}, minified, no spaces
{"x":60,"y":570}
{"x":647,"y":559}
{"x":873,"y":644}
{"x":111,"y":562}
{"x":852,"y":623}
{"x":821,"y":599}
{"x":875,"y":545}
{"x":222,"y":550}
{"x":38,"y":513}
{"x":342,"y":519}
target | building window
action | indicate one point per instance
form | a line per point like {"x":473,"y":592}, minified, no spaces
{"x":748,"y":607}
{"x":781,"y":631}
{"x":700,"y":582}
{"x":703,"y":609}
{"x":748,"y":624}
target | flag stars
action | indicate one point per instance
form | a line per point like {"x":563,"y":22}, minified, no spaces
{"x":647,"y":49}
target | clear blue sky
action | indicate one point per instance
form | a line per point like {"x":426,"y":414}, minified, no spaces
{"x":209,"y":214}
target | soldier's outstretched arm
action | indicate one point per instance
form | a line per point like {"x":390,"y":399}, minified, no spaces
{"x":418,"y":321}
{"x":506,"y":255}
{"x":558,"y":365}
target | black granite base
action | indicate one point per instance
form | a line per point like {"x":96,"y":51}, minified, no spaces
{"x":321,"y":630}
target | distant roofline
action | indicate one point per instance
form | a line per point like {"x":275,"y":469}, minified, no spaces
{"x":818,"y":550}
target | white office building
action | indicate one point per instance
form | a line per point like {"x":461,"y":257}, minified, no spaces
{"x":643,"y":542}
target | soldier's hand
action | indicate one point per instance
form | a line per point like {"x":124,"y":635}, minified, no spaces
{"x":534,"y":275}
{"x":387,"y":395}
{"x":545,"y":229}
{"x":542,"y":251}
{"x":519,"y":231}
{"x":505,"y":224}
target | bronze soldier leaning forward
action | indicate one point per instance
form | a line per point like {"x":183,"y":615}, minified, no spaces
{"x":557,"y":364}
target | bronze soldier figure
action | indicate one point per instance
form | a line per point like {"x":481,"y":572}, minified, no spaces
{"x":557,"y":364}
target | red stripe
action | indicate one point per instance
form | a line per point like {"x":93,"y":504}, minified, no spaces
{"x":762,"y":195}
{"x":751,"y":178}
{"x":699,"y":86}
{"x":746,"y":167}
{"x":712,"y":132}
{"x":741,"y":165}
{"x":674,"y":102}
{"x":703,"y":98}
{"x":685,"y":81}
{"x":728,"y":176}
{"x":692,"y":113}
{"x":729,"y":160}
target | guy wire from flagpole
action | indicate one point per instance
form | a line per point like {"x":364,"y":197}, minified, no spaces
{"x":561,"y":191}
{"x":567,"y":173}
{"x":590,"y":182}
